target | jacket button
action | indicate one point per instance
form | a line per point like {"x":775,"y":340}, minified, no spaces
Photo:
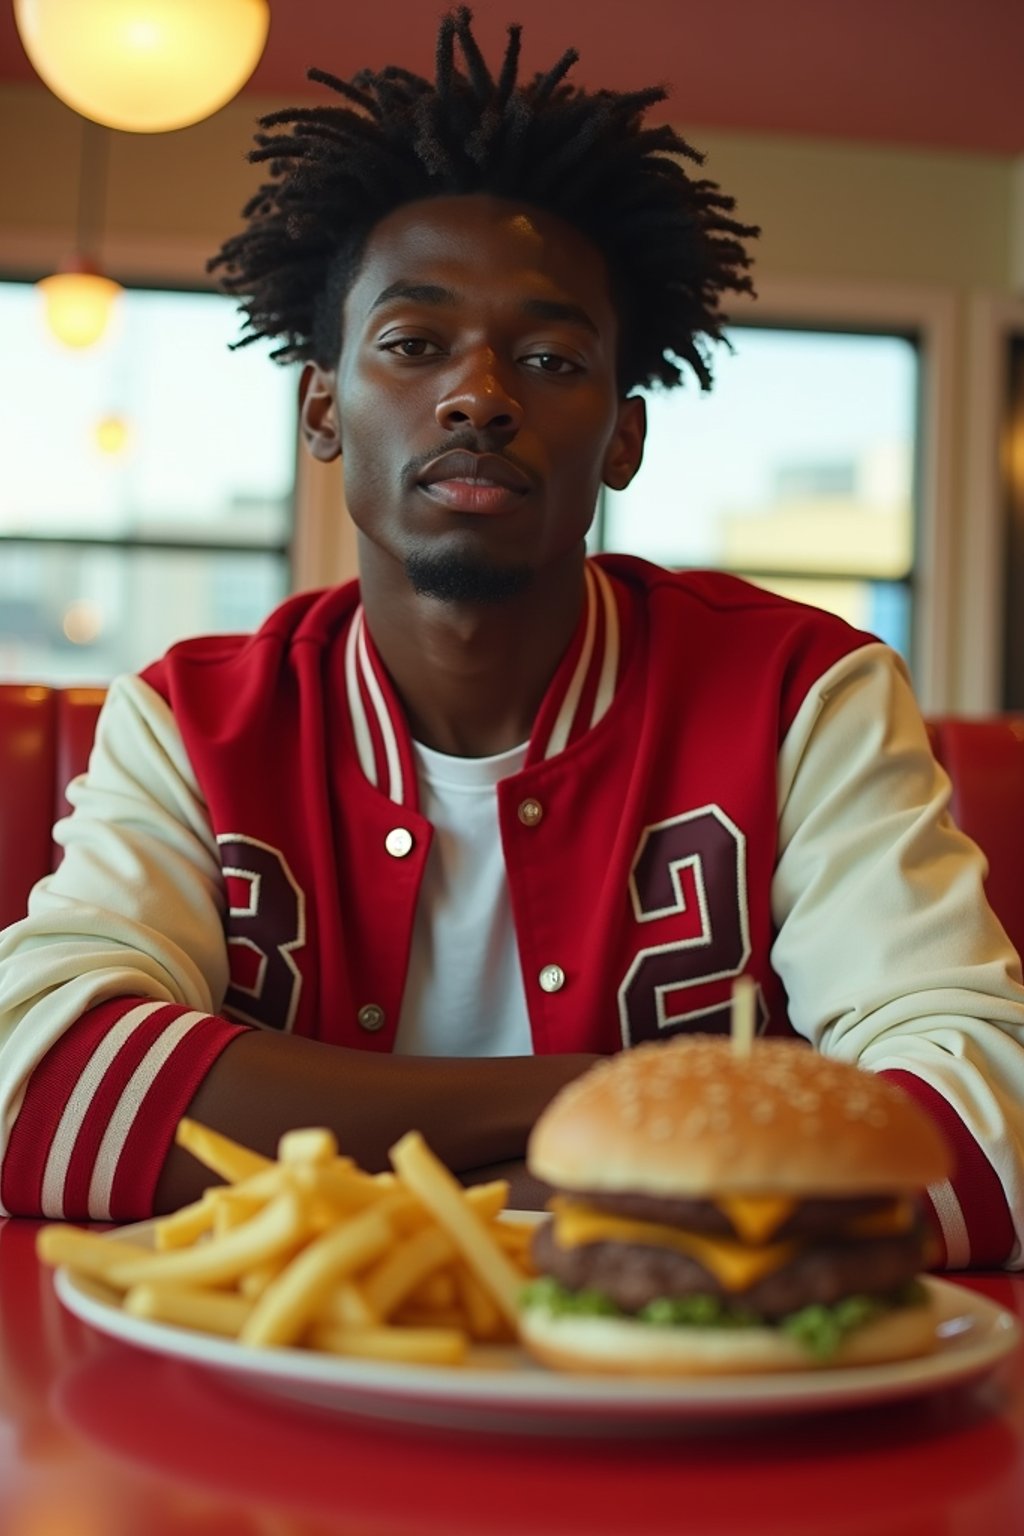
{"x":530,"y":812}
{"x":398,"y":842}
{"x":371,"y":1017}
{"x":552,"y":978}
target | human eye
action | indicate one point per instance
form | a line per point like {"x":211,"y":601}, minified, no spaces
{"x":555,"y":363}
{"x":410,"y":346}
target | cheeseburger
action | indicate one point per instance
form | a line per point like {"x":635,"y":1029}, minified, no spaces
{"x":728,"y":1211}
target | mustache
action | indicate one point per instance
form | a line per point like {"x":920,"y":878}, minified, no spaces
{"x":466,"y":442}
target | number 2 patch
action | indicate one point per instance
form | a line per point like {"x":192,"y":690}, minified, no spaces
{"x":693,"y":867}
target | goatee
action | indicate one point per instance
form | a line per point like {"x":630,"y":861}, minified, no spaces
{"x":463,"y":578}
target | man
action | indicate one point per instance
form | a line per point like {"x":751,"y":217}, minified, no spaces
{"x":422,"y":848}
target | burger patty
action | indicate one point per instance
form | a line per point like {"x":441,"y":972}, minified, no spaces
{"x":631,"y":1275}
{"x":809,"y":1218}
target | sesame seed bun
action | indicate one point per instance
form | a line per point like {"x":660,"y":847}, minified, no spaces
{"x":619,"y":1346}
{"x":691,"y":1117}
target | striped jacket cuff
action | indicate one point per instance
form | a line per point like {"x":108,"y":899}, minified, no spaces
{"x":100,"y":1110}
{"x":971,"y":1218}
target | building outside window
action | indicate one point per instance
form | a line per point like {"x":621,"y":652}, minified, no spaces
{"x":798,"y":470}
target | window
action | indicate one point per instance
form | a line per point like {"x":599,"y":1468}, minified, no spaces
{"x":798,"y":470}
{"x":147,"y":486}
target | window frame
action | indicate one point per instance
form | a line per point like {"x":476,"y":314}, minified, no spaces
{"x":284,"y":548}
{"x":993,"y":321}
{"x":929,"y":316}
{"x":757,"y":320}
{"x":281,"y":550}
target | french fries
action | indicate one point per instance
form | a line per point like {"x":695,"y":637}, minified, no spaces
{"x":311,"y":1252}
{"x":442,"y":1195}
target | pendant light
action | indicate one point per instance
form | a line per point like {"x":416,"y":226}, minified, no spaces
{"x":78,"y":300}
{"x":144,"y":66}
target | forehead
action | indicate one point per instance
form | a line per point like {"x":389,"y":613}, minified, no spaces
{"x":482,"y":247}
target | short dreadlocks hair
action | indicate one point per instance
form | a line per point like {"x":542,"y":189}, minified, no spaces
{"x":669,"y":241}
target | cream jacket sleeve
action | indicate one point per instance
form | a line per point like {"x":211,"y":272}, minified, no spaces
{"x":109,"y":988}
{"x":888,"y":950}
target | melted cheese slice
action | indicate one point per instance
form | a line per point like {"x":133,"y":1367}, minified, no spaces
{"x":756,"y":1218}
{"x":735,"y":1266}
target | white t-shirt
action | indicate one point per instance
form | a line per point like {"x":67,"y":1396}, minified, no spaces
{"x":464,"y":990}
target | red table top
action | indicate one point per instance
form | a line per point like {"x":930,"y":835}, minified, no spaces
{"x":101,"y":1439}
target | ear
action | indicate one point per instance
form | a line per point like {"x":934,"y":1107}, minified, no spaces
{"x":626,"y":450}
{"x":318,"y":413}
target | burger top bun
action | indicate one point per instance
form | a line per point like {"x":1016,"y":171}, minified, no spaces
{"x":692,"y":1117}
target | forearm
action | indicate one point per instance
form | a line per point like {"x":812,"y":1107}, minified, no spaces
{"x":525,"y":1193}
{"x":473,"y":1113}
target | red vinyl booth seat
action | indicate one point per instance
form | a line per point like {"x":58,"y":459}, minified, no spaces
{"x":46,"y":735}
{"x":985,"y":761}
{"x":45,"y":738}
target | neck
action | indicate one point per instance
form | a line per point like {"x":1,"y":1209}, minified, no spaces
{"x":472,"y":676}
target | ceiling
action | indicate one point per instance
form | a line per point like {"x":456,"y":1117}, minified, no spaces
{"x":944,"y":74}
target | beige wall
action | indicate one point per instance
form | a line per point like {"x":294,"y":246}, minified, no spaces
{"x":846,"y":211}
{"x":828,"y":209}
{"x":175,"y":192}
{"x":889,"y":226}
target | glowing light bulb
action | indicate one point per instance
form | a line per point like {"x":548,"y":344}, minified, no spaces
{"x":78,"y":303}
{"x":144,"y":66}
{"x":112,"y":435}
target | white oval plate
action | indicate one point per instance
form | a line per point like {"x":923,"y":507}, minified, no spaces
{"x":502,"y":1389}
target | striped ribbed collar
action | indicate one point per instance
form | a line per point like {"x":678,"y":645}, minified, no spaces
{"x":580,"y":694}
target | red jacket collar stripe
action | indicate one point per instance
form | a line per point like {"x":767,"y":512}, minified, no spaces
{"x":562,"y":727}
{"x":392,"y":778}
{"x":378,"y":732}
{"x":597,"y":667}
{"x":609,"y":675}
{"x":360,"y":726}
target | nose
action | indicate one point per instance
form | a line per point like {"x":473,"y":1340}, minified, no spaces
{"x":479,"y":395}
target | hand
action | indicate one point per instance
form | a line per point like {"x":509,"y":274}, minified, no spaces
{"x":525,"y":1193}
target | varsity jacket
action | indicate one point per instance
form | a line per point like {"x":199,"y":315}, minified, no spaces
{"x":718,"y":781}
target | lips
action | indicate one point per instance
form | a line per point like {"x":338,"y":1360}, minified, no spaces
{"x":474,"y":482}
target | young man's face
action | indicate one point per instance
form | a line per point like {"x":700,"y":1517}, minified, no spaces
{"x":475,"y":398}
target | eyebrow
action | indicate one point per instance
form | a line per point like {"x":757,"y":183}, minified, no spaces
{"x":419,"y":293}
{"x":433,"y":293}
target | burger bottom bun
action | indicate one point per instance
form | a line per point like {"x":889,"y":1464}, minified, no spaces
{"x":619,"y":1346}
